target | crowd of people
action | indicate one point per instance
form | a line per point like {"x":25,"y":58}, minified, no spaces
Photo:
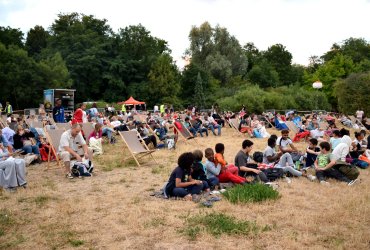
{"x":330,"y":152}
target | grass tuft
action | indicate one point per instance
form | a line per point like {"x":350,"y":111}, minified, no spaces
{"x":5,"y":220}
{"x":251,"y":193}
{"x":218,"y":223}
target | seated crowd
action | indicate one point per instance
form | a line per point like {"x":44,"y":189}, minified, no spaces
{"x":328,"y":152}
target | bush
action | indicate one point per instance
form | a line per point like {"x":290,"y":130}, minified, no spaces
{"x":251,"y":193}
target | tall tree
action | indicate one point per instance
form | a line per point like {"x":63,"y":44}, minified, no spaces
{"x":36,"y":40}
{"x":164,"y":82}
{"x":199,"y":99}
{"x":281,"y":60}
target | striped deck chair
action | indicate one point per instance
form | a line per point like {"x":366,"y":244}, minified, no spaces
{"x":292,"y":127}
{"x":356,"y":121}
{"x":235,"y":125}
{"x":184,"y":133}
{"x":87,"y":128}
{"x":53,"y":136}
{"x":63,"y":126}
{"x":136,"y":148}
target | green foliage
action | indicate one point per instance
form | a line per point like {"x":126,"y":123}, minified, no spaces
{"x":281,"y":60}
{"x":199,"y":93}
{"x":251,"y":193}
{"x":36,"y":40}
{"x":355,"y":87}
{"x":217,"y":224}
{"x":164,"y":82}
{"x":10,"y":36}
{"x":264,"y":75}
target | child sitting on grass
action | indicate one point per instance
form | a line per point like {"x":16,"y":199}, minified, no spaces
{"x":180,"y":183}
{"x":219,"y":158}
{"x":198,"y":171}
{"x":212,"y":170}
{"x":223,"y":175}
{"x":312,"y":152}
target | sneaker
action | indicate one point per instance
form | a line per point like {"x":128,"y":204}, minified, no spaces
{"x":288,"y":180}
{"x":11,"y":189}
{"x":274,"y":186}
{"x":324,"y":183}
{"x":351,"y":183}
{"x":215,"y":192}
{"x":222,"y":190}
{"x":196,"y":198}
{"x":214,"y":199}
{"x":207,"y":204}
{"x":69,"y":176}
{"x":311,"y":177}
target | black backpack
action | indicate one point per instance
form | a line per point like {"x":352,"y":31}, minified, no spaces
{"x":274,"y":173}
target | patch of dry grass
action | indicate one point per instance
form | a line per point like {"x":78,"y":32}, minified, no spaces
{"x":113,"y":209}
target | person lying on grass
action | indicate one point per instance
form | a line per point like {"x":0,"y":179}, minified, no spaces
{"x":180,"y":183}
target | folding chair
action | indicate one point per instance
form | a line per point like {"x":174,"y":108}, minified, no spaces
{"x":64,"y":126}
{"x":53,"y":136}
{"x":292,"y":127}
{"x":88,"y":128}
{"x":135,"y":147}
{"x":235,"y":125}
{"x":184,"y":133}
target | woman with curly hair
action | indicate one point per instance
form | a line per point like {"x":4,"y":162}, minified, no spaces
{"x":180,"y":183}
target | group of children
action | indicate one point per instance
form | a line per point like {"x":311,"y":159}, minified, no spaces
{"x":320,"y":161}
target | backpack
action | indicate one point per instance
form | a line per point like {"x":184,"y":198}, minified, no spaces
{"x":258,"y":157}
{"x":273,"y":173}
{"x":80,"y":169}
{"x":351,"y":172}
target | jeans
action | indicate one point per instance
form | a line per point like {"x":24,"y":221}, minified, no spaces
{"x":108,"y":132}
{"x":193,"y":131}
{"x":31,"y":149}
{"x":212,"y":182}
{"x":202,"y":130}
{"x":182,"y":192}
{"x":331,"y":173}
{"x":213,"y":126}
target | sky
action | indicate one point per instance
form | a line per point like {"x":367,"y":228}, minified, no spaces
{"x":304,"y":27}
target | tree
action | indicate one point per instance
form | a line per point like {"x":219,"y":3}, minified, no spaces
{"x":36,"y":40}
{"x":199,"y":99}
{"x":164,"y":81}
{"x":85,"y":44}
{"x":355,"y":87}
{"x":252,"y":53}
{"x":281,"y":60}
{"x":10,"y":36}
{"x":264,"y":75}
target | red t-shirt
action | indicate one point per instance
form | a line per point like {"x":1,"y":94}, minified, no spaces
{"x":77,"y":116}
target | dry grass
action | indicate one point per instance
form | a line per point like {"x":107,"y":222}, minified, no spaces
{"x":113,"y":209}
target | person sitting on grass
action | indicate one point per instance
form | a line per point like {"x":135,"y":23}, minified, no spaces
{"x":282,"y":160}
{"x":178,"y":184}
{"x":337,"y":158}
{"x":245,"y":165}
{"x":312,"y":152}
{"x":198,"y":171}
{"x":284,"y":141}
{"x":335,"y":139}
{"x":212,"y":170}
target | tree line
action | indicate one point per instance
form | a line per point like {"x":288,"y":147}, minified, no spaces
{"x":82,"y":52}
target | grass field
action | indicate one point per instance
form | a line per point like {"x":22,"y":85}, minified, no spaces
{"x":113,"y":209}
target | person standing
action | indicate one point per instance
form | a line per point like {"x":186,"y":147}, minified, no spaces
{"x":8,"y":109}
{"x":58,"y":112}
{"x":123,"y":109}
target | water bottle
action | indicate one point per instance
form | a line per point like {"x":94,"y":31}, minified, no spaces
{"x":298,"y":165}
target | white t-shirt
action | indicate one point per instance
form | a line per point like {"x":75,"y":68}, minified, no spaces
{"x":67,"y":140}
{"x":115,"y":123}
{"x":284,"y":143}
{"x":359,"y":114}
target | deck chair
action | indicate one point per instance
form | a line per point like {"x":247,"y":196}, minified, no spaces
{"x":53,"y":136}
{"x":63,"y":126}
{"x":35,"y":124}
{"x":356,"y":121}
{"x":135,"y":147}
{"x":87,"y":127}
{"x":185,"y":133}
{"x":235,"y":125}
{"x":292,"y":127}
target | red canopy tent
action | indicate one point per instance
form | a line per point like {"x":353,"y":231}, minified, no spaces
{"x":131,"y":101}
